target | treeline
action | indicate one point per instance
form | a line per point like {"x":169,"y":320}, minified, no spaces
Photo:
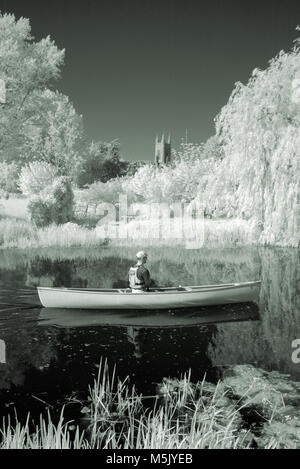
{"x":249,"y":170}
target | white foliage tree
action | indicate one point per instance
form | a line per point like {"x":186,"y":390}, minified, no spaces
{"x":259,"y":129}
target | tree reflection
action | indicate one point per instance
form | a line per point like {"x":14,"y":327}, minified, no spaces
{"x":26,"y":347}
{"x":267,"y":343}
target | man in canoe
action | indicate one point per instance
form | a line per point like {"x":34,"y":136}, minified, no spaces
{"x":139,"y":275}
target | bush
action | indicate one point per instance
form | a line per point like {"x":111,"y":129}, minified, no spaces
{"x":101,"y":162}
{"x":53,"y":205}
{"x":8,"y":178}
{"x":35,"y":177}
{"x":40,"y":212}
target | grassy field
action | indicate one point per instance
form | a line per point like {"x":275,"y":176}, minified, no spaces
{"x":14,"y":207}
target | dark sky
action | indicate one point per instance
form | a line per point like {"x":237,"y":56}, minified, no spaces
{"x":136,"y":68}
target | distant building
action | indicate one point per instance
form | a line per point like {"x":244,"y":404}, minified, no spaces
{"x":162,"y":151}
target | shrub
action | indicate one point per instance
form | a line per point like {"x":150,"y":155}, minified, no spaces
{"x":53,"y":205}
{"x":63,"y":196}
{"x":35,"y":177}
{"x":8,"y":178}
{"x":40,"y":212}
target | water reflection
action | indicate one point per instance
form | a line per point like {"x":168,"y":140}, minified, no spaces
{"x":148,"y":318}
{"x":54,"y":353}
{"x":267,"y":344}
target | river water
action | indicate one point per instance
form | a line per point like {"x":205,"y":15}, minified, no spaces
{"x":48,"y":358}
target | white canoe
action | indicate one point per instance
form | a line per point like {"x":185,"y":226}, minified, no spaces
{"x":156,"y":298}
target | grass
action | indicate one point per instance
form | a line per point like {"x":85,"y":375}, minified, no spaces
{"x":18,"y":233}
{"x":192,"y":234}
{"x":14,"y":207}
{"x":15,"y":233}
{"x":46,"y":435}
{"x":183,"y":415}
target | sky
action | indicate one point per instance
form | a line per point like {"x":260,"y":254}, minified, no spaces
{"x":137,"y":68}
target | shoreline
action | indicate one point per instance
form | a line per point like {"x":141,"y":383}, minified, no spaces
{"x":222,"y":233}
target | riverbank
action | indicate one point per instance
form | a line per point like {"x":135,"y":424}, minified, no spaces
{"x":17,"y":233}
{"x":248,"y":408}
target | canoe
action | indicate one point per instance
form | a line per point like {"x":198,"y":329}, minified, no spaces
{"x":156,"y":298}
{"x":162,"y":319}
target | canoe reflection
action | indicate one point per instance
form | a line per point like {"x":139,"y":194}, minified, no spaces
{"x":66,"y":318}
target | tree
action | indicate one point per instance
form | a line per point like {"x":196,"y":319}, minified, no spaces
{"x":193,"y":152}
{"x":53,"y":205}
{"x":27,"y":68}
{"x":35,"y":177}
{"x":56,"y":136}
{"x":259,"y":129}
{"x":101,"y":162}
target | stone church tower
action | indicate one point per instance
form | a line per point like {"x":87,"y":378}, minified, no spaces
{"x":162,"y":151}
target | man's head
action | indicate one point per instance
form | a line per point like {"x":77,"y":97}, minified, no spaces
{"x":141,"y":257}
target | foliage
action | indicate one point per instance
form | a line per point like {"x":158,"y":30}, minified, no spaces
{"x":40,"y":212}
{"x":134,"y":166}
{"x":100,"y":192}
{"x":191,"y":152}
{"x":26,"y":67}
{"x":259,"y":129}
{"x":8,"y":178}
{"x":180,"y":183}
{"x":101,"y":162}
{"x":35,"y":176}
{"x":56,"y":134}
{"x":54,"y":204}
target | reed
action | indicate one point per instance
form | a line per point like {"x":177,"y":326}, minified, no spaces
{"x":22,"y":234}
{"x":17,"y":233}
{"x":46,"y":435}
{"x":190,"y":234}
{"x":183,"y":415}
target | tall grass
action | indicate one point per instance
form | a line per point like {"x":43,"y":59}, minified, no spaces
{"x":21,"y":234}
{"x":16,"y":233}
{"x":191,"y":234}
{"x":46,"y":435}
{"x":182,"y":415}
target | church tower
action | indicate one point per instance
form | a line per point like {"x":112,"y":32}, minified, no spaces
{"x":162,"y":151}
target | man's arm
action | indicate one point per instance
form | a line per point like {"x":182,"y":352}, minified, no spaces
{"x":146,"y":278}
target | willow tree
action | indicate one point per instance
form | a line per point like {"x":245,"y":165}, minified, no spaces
{"x":260,"y":132}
